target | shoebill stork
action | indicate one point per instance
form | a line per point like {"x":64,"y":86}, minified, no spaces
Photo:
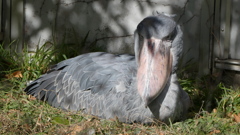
{"x":142,"y":88}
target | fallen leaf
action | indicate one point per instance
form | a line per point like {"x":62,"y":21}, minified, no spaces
{"x":31,"y":98}
{"x":16,"y":74}
{"x":237,"y":117}
{"x":230,"y":115}
{"x":215,"y":132}
{"x":161,"y":133}
{"x":214,"y":110}
{"x":75,"y":129}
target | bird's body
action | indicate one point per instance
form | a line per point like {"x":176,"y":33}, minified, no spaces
{"x":108,"y":86}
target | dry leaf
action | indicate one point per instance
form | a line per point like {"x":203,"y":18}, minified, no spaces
{"x":30,"y":98}
{"x":237,"y":118}
{"x":75,"y":129}
{"x":214,"y":110}
{"x":230,"y":115}
{"x":215,"y":132}
{"x":161,"y":133}
{"x":16,"y":74}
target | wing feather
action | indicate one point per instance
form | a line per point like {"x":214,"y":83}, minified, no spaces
{"x":84,"y":82}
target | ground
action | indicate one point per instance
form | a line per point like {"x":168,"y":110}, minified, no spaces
{"x":23,"y":114}
{"x":215,"y":106}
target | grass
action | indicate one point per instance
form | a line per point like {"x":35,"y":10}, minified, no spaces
{"x":23,"y":114}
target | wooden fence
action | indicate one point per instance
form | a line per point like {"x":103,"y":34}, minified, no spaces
{"x":211,"y":27}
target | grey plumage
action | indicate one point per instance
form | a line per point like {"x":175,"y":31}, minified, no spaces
{"x":105,"y":85}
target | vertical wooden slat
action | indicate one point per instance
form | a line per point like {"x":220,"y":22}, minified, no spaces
{"x":17,"y":24}
{"x":235,"y":30}
{"x":205,"y":29}
{"x":1,"y":15}
{"x":1,"y":21}
{"x":211,"y":29}
{"x":6,"y":19}
{"x":23,"y":23}
{"x":216,"y":30}
{"x":227,"y":29}
{"x":222,"y":28}
{"x":215,"y":33}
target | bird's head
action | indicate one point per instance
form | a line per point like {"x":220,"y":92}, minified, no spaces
{"x":158,"y":46}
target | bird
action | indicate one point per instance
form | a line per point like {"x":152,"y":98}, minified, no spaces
{"x":139,"y":88}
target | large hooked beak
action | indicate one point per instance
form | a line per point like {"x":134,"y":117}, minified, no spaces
{"x":154,"y":68}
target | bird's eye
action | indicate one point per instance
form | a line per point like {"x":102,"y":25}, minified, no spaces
{"x":140,"y":38}
{"x":170,"y":37}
